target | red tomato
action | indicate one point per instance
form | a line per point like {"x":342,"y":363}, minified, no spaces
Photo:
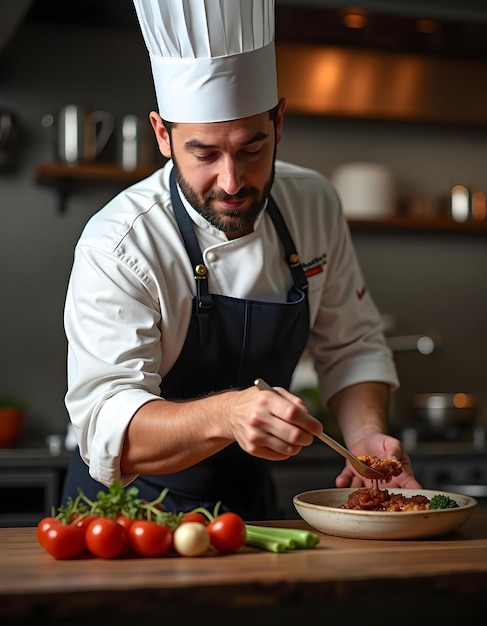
{"x":43,"y":526}
{"x":105,"y":538}
{"x":194,"y":517}
{"x":62,"y":541}
{"x":150,"y":539}
{"x":84,"y":522}
{"x":124,"y":521}
{"x":227,"y":532}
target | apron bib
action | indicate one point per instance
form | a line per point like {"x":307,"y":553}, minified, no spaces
{"x":230,"y":342}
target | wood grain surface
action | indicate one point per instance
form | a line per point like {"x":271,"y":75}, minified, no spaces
{"x":345,"y":575}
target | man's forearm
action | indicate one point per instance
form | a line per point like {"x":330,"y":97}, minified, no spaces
{"x":167,"y":436}
{"x":361,"y":410}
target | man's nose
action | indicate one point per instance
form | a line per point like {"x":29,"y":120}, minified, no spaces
{"x":230,"y":177}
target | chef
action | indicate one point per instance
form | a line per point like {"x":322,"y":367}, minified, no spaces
{"x":221,"y":267}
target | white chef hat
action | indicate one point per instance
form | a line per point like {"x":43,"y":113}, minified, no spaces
{"x":212,"y":60}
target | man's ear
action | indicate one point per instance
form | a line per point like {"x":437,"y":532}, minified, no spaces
{"x":279,"y":119}
{"x":162,"y":136}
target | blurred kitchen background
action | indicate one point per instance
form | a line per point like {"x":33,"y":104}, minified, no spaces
{"x":388,"y":99}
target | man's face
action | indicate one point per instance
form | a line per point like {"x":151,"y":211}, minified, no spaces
{"x":226,"y":169}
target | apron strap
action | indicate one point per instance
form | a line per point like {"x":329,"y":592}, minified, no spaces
{"x":203,"y":301}
{"x":291,"y":256}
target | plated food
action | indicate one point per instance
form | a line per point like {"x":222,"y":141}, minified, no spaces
{"x":323,"y":509}
{"x":375,"y":499}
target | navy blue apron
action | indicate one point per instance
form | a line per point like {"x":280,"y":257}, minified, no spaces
{"x":230,"y":342}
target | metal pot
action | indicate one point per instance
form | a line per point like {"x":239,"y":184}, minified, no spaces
{"x":438,"y":411}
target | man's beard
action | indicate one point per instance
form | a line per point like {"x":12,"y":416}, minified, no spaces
{"x":231,"y":220}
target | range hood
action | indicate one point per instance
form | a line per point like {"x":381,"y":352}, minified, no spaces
{"x":338,"y":81}
{"x":461,"y":10}
{"x":422,"y":60}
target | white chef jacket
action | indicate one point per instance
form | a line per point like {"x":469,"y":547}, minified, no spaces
{"x":129,"y":300}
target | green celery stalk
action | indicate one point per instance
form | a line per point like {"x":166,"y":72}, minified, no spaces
{"x":253,"y":533}
{"x":264,"y":542}
{"x":292,"y":538}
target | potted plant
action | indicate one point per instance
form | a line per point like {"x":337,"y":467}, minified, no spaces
{"x":12,"y":414}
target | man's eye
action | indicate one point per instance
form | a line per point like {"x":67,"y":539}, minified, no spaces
{"x":251,"y":151}
{"x":203,"y":157}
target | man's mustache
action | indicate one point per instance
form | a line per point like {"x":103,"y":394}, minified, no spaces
{"x":222,"y":196}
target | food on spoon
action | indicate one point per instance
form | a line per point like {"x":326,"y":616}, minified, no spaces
{"x":388,"y":467}
{"x":375,"y":499}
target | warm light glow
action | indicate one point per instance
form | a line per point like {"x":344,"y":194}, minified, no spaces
{"x":325,"y":74}
{"x":426,"y":26}
{"x":355,"y":18}
{"x":479,"y":205}
{"x":460,"y":400}
{"x":459,"y":203}
{"x":400,"y":91}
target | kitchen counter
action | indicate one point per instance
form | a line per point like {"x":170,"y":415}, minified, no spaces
{"x":436,"y":581}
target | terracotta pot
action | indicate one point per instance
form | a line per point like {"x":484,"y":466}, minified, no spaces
{"x":11,"y":424}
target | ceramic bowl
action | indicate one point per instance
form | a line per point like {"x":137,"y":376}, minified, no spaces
{"x":321,"y":509}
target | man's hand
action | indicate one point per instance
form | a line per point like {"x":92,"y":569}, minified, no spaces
{"x":269,"y":425}
{"x":384,"y":447}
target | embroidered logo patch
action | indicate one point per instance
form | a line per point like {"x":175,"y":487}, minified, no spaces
{"x":315,"y":266}
{"x":317,"y":269}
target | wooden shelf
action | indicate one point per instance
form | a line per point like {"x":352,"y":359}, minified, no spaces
{"x":64,"y":176}
{"x":440,"y":224}
{"x":91,"y":172}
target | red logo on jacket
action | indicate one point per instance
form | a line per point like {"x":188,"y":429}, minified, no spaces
{"x":361,"y":292}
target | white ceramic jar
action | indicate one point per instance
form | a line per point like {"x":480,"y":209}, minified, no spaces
{"x":367,"y":190}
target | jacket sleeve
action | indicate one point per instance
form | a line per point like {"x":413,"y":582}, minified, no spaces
{"x":112,"y":326}
{"x":347,"y":343}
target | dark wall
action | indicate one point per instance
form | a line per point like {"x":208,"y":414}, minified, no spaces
{"x":426,"y":282}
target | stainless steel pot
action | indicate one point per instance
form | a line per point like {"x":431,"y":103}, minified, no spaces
{"x":438,"y":411}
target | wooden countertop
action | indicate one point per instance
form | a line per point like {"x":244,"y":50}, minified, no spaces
{"x":350,"y":577}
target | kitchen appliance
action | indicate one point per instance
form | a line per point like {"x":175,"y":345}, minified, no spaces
{"x":445,"y":416}
{"x":455,"y":467}
{"x":447,"y":443}
{"x":82,"y":134}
